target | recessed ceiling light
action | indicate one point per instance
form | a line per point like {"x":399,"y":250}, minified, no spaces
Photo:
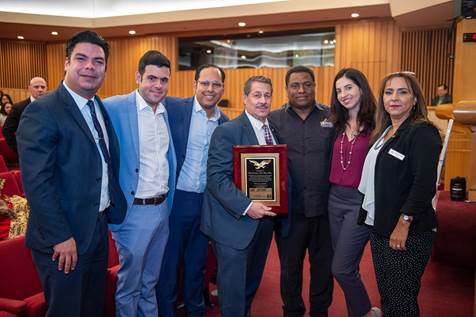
{"x":243,"y":56}
{"x":20,"y":37}
{"x":54,"y":33}
{"x":326,"y":41}
{"x":260,"y":31}
{"x":209,"y":51}
{"x":132,"y":32}
{"x":355,"y":15}
{"x":241,"y":24}
{"x":297,"y":55}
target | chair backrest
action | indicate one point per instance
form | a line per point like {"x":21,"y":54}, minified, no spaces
{"x":3,"y":165}
{"x":10,"y":187}
{"x":18,"y":275}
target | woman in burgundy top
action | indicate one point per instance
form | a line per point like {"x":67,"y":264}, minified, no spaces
{"x":353,"y":108}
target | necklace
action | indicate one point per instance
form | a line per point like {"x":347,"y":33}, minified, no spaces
{"x":349,"y":159}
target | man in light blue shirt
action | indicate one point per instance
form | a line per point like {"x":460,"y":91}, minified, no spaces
{"x":192,"y":122}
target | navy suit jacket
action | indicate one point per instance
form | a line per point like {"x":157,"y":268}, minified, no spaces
{"x":223,"y":203}
{"x":180,"y":115}
{"x":61,"y":171}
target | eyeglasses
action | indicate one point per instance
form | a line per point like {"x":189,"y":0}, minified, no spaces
{"x":215,"y":84}
{"x":308,"y":85}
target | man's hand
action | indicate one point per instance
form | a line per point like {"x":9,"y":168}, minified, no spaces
{"x":66,"y":254}
{"x":258,"y":211}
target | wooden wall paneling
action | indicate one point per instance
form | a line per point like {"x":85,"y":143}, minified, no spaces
{"x":16,"y":94}
{"x":20,"y":61}
{"x":56,"y":57}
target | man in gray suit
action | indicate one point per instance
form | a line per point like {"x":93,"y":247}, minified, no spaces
{"x":240,"y":229}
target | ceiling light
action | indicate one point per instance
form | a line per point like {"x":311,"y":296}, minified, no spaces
{"x":132,"y":32}
{"x":260,"y":31}
{"x":297,"y":55}
{"x":209,"y":51}
{"x":54,"y":33}
{"x":241,"y":24}
{"x":20,"y":37}
{"x":243,"y":56}
{"x":326,"y":41}
{"x":355,"y":15}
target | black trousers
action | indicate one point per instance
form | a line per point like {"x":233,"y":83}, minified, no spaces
{"x":311,"y":235}
{"x":399,"y":272}
{"x":80,"y":293}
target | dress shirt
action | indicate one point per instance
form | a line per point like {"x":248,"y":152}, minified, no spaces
{"x":86,"y":112}
{"x":153,"y":147}
{"x":258,"y":128}
{"x":193,"y":175}
{"x":367,"y":182}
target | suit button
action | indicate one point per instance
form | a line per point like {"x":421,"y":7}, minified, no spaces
{"x":98,"y":179}
{"x":137,"y":170}
{"x":133,"y":193}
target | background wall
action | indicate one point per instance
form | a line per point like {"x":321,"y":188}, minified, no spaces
{"x":376,"y":46}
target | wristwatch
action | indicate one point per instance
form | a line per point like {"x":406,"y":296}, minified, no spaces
{"x":407,"y":218}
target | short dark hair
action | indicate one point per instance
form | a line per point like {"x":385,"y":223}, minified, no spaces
{"x":153,"y":57}
{"x":299,"y":69}
{"x":203,"y":66}
{"x":87,"y":37}
{"x":252,"y":79}
{"x":443,"y":85}
{"x":365,"y":117}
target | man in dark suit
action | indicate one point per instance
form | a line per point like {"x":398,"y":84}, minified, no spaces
{"x":192,"y":122}
{"x":69,"y":163}
{"x":240,"y":229}
{"x":442,"y":96}
{"x":37,"y":89}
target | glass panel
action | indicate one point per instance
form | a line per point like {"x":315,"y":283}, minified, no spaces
{"x":303,"y":47}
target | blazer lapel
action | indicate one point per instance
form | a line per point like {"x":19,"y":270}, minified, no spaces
{"x":186,"y":126}
{"x":72,"y":108}
{"x":133,"y":122}
{"x":248,"y":132}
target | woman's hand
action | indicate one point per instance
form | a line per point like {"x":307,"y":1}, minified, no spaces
{"x":399,"y":236}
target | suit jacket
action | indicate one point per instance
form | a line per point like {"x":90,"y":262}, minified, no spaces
{"x":10,"y":126}
{"x":123,"y":112}
{"x":223,"y":203}
{"x":179,"y":111}
{"x":61,"y":169}
{"x":446,"y":99}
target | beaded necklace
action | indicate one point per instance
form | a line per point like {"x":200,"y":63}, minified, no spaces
{"x":356,"y":135}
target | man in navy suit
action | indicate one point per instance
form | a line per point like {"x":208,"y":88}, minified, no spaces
{"x":69,"y":159}
{"x":192,"y":122}
{"x":147,"y":177}
{"x":240,"y":229}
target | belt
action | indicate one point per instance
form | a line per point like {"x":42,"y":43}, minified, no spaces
{"x":150,"y":201}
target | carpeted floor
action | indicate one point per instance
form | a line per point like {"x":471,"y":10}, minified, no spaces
{"x":447,"y":291}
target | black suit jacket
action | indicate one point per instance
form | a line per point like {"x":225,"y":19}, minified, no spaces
{"x":61,"y":171}
{"x":10,"y":126}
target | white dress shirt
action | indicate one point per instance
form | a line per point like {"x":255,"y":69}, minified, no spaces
{"x":153,"y":147}
{"x":86,"y":112}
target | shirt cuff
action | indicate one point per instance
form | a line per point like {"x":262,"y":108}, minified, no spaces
{"x":247,"y":208}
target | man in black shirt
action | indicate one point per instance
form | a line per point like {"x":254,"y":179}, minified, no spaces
{"x":304,"y":126}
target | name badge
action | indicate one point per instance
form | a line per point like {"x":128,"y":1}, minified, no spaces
{"x":396,"y":154}
{"x":326,"y":123}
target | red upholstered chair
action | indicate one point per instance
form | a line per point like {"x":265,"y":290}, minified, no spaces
{"x":10,"y":187}
{"x":3,"y":165}
{"x":8,"y":154}
{"x":17,"y":175}
{"x":113,"y":267}
{"x":20,"y":287}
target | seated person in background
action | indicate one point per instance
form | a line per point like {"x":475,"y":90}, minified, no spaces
{"x":5,"y":98}
{"x":442,"y":95}
{"x":4,"y":111}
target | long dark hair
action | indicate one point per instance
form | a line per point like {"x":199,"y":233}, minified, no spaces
{"x":365,"y":117}
{"x":418,"y":113}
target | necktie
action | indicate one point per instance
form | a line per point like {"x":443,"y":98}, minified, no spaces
{"x":267,"y":135}
{"x":97,"y":126}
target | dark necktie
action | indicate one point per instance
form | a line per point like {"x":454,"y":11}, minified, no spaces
{"x":97,"y":126}
{"x":267,"y":135}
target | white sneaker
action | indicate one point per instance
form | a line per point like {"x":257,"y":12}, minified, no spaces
{"x":376,"y":312}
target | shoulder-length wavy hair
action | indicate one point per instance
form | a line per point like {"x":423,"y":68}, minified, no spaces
{"x":366,"y":115}
{"x":419,"y":113}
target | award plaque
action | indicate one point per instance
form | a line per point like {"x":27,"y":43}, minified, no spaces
{"x":261,"y":172}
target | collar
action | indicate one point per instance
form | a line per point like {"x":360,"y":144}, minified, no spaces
{"x":258,"y":125}
{"x":79,"y":100}
{"x":32,"y":98}
{"x":142,"y":104}
{"x":198,"y":108}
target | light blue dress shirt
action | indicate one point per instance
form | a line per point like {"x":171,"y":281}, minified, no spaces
{"x":193,"y":175}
